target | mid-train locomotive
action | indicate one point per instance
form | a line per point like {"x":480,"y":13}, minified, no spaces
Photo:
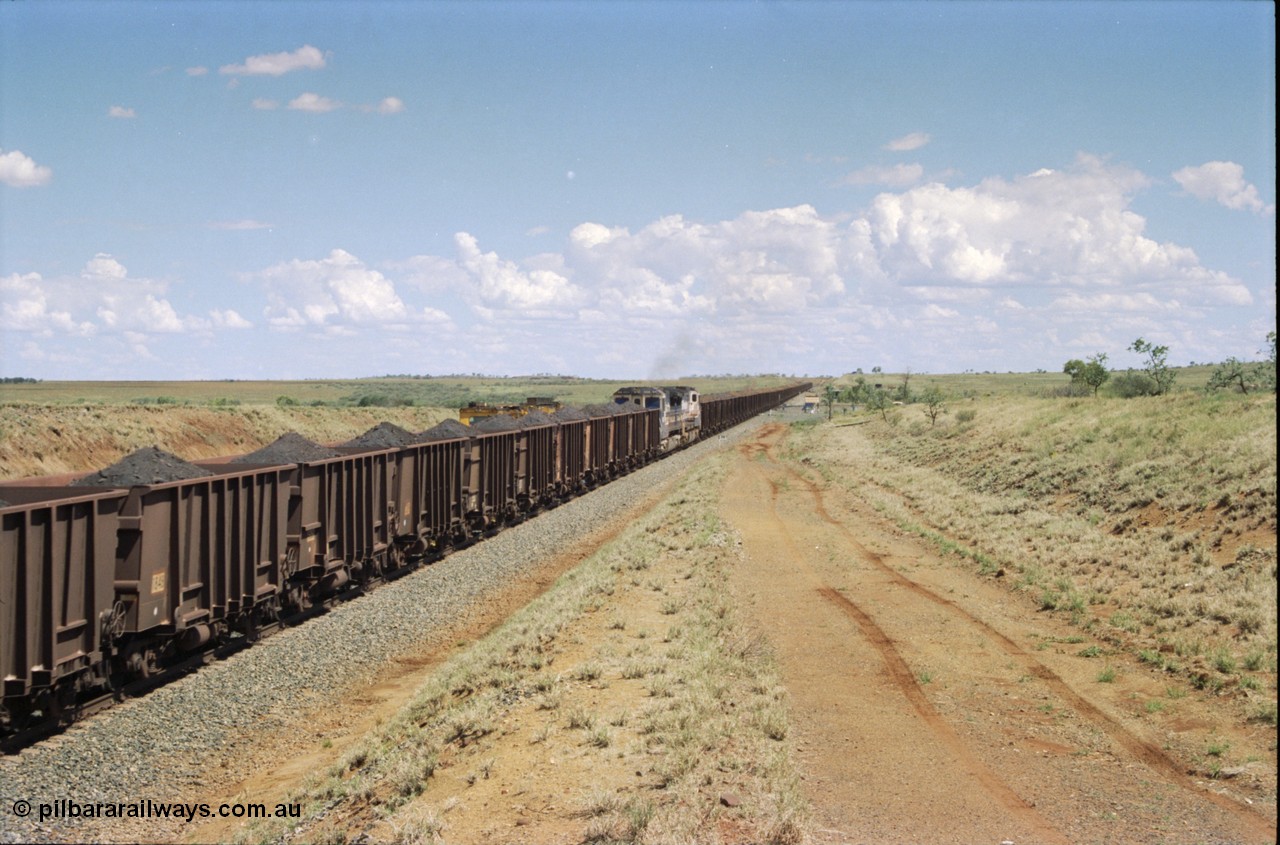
{"x":101,"y":588}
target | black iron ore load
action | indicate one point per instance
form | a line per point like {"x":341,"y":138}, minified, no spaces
{"x":444,"y":430}
{"x":384,"y":435}
{"x":535,"y":419}
{"x":291,"y":448}
{"x":497,"y":422}
{"x":601,"y":410}
{"x":567,"y":414}
{"x":144,"y":467}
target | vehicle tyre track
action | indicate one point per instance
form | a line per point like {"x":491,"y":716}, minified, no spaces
{"x":968,"y":767}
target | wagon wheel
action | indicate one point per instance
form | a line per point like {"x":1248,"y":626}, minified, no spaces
{"x":397,"y":557}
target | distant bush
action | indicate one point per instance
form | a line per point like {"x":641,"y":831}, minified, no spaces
{"x":383,"y":400}
{"x":966,"y":415}
{"x":1129,"y":384}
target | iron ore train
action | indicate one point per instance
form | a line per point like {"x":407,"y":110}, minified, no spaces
{"x":116,"y":579}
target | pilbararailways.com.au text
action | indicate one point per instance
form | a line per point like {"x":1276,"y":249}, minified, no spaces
{"x":68,"y":808}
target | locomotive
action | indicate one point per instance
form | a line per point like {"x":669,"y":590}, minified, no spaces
{"x":104,"y":589}
{"x":679,"y":412}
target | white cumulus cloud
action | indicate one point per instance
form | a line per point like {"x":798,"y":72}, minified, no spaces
{"x":20,"y":171}
{"x":1222,"y":182}
{"x":277,"y":64}
{"x":313,"y":103}
{"x":1010,"y":263}
{"x":911,"y":141}
{"x":25,"y":307}
{"x":390,"y":105}
{"x":330,"y":291}
{"x":101,"y":300}
{"x":1049,"y":228}
{"x":229,"y":319}
{"x":121,"y":112}
{"x":779,"y":260}
{"x":503,"y":284}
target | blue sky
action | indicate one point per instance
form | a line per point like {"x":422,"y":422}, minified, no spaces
{"x":243,"y":189}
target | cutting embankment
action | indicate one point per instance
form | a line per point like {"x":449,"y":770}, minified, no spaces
{"x":39,"y":440}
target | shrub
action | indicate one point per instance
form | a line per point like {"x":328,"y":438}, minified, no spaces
{"x":1129,"y":384}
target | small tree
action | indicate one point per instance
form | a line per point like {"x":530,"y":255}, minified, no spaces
{"x":829,"y":397}
{"x":1267,"y":370}
{"x":934,"y":404}
{"x":1260,"y":375}
{"x":855,"y":393}
{"x":904,"y":389}
{"x":1157,"y":366}
{"x":1092,"y":373}
{"x":878,"y":399}
{"x":1233,"y":373}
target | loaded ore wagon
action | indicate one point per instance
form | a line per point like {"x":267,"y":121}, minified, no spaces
{"x":144,"y":568}
{"x":57,"y":574}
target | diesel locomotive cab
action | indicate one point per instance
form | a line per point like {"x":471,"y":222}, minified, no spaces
{"x":681,"y":414}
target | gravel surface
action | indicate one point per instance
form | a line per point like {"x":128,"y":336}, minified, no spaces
{"x":145,"y":466}
{"x":158,"y":747}
{"x":290,"y":448}
{"x":568,"y":414}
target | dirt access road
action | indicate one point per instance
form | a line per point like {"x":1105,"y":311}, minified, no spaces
{"x":930,"y":705}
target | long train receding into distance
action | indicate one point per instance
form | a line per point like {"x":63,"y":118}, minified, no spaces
{"x":112,"y":588}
